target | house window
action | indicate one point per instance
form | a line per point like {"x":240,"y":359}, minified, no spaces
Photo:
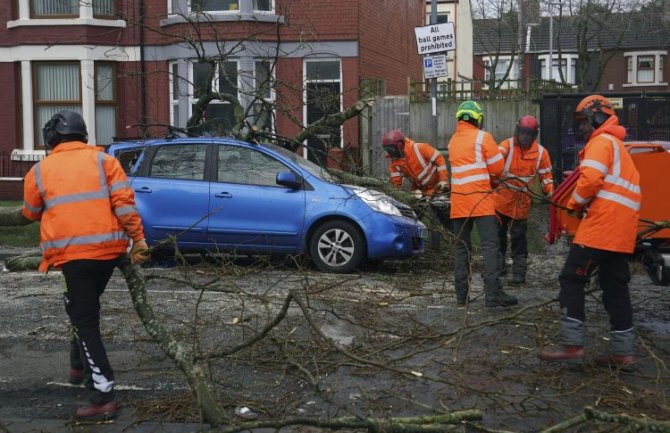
{"x":54,"y":8}
{"x":71,"y":8}
{"x":215,"y":5}
{"x":264,"y":95}
{"x":645,"y":68}
{"x":323,"y":96}
{"x":56,"y":87}
{"x":264,"y":5}
{"x":105,"y":102}
{"x":442,"y":17}
{"x":220,"y":117}
{"x":568,"y":66}
{"x":104,"y":8}
{"x":505,"y":76}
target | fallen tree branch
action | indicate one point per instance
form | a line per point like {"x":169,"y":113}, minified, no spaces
{"x":642,"y":424}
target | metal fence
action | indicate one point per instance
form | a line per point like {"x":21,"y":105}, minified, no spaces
{"x":10,"y":168}
{"x":460,"y":90}
{"x":646,"y":116}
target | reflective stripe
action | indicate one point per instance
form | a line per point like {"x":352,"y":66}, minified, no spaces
{"x":396,"y":174}
{"x":619,"y":181}
{"x":525,"y":179}
{"x":469,"y":179}
{"x":119,"y":185}
{"x":495,"y":159}
{"x":508,"y":159}
{"x":120,"y":211}
{"x":502,"y":150}
{"x":579,"y":199}
{"x":616,"y":164}
{"x":539,"y":157}
{"x":38,"y":179}
{"x":83,"y":240}
{"x":595,"y":164}
{"x":478,"y":146}
{"x":32,"y":209}
{"x":429,"y":175}
{"x":544,"y":170}
{"x":547,"y":181}
{"x":468,"y":167}
{"x":434,"y":157}
{"x":441,"y":168}
{"x":418,"y":155}
{"x":618,"y":198}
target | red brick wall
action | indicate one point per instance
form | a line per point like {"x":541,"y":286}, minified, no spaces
{"x":616,"y":73}
{"x":387,"y":44}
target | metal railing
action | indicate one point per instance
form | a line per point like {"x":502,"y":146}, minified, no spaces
{"x":459,"y":90}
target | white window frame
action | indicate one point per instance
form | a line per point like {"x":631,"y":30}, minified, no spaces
{"x":85,"y":18}
{"x":215,"y":84}
{"x":174,"y":99}
{"x":273,"y":8}
{"x":512,"y":80}
{"x":304,"y":93}
{"x":273,"y":79}
{"x":570,"y":70}
{"x":632,"y":56}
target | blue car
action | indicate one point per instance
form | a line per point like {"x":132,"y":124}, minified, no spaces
{"x":224,"y":195}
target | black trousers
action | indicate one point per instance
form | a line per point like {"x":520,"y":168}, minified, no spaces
{"x":86,"y":281}
{"x":613,"y":276}
{"x":517,"y":230}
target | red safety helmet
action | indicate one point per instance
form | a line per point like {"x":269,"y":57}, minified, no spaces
{"x":394,"y":143}
{"x":528,"y":124}
{"x":596,"y":108}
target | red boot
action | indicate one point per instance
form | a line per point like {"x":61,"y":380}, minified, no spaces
{"x":76,"y":376}
{"x":623,"y":362}
{"x":567,"y":353}
{"x":99,"y":411}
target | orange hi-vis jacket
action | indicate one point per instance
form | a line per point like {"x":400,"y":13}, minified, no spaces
{"x":85,"y":204}
{"x":521,"y":168}
{"x":609,"y":184}
{"x":422,"y":164}
{"x":475,"y":163}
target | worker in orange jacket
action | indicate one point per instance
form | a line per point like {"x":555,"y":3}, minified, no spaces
{"x":423,"y":165}
{"x":87,"y":211}
{"x":608,"y":196}
{"x":525,"y":160}
{"x":476,"y":164}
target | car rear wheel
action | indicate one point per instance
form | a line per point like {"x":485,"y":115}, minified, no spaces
{"x":337,"y":246}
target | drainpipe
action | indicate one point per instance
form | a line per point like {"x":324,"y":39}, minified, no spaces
{"x":143,"y":75}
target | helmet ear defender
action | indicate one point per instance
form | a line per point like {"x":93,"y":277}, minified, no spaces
{"x":49,"y":133}
{"x":597,"y":116}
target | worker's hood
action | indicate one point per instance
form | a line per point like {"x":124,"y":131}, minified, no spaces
{"x":612,"y":127}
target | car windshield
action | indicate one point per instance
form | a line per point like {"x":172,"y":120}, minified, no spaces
{"x":312,"y":168}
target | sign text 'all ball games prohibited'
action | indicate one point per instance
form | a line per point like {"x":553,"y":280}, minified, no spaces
{"x":435,"y":38}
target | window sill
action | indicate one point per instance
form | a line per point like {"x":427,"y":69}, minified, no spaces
{"x":643,"y":84}
{"x":261,"y":17}
{"x":27,"y":155}
{"x":66,"y":22}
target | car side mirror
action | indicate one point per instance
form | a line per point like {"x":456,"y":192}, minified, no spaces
{"x":289,"y":179}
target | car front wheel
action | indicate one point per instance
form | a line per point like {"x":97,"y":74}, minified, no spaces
{"x":337,"y":246}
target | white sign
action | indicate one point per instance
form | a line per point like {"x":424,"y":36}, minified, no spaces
{"x":435,"y":66}
{"x":435,"y":38}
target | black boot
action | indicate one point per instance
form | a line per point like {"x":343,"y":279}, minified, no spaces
{"x":500,"y":299}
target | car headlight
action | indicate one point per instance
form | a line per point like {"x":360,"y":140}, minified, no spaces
{"x":377,"y":201}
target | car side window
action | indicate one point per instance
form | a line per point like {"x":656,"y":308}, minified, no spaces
{"x":131,"y":160}
{"x":247,"y":166}
{"x":180,"y":161}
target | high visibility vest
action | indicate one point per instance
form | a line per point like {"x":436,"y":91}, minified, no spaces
{"x":521,"y":168}
{"x":84,"y":202}
{"x":422,"y":164}
{"x":475,"y":163}
{"x":609,"y":184}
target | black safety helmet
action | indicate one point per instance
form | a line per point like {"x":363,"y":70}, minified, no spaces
{"x":64,"y":124}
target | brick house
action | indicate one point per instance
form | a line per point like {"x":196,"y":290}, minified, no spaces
{"x":131,"y":66}
{"x":639,"y":56}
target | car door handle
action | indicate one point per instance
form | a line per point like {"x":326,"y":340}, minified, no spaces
{"x":144,"y":189}
{"x":223,"y":195}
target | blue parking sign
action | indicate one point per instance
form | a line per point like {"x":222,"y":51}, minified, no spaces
{"x":428,"y":63}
